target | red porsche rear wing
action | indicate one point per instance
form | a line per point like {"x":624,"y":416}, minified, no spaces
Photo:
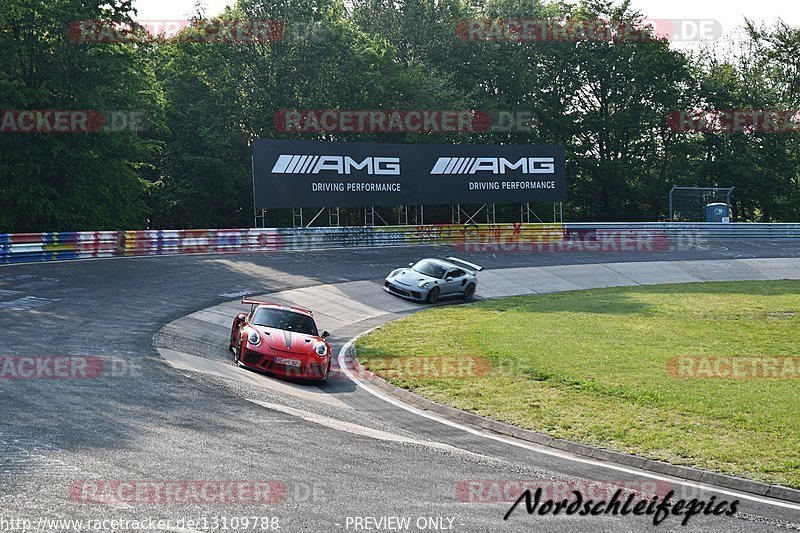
{"x":252,"y":302}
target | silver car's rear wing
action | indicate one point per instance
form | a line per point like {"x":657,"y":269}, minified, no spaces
{"x":471,"y":266}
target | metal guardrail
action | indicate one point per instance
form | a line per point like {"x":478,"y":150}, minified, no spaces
{"x":59,"y":246}
{"x":704,"y":230}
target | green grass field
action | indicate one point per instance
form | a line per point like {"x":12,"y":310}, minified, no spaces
{"x":592,"y":366}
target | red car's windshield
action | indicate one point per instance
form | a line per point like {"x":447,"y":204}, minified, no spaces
{"x":288,"y":320}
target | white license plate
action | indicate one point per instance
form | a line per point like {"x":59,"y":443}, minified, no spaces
{"x":287,"y":362}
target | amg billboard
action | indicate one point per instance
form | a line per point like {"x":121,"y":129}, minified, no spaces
{"x":344,"y":174}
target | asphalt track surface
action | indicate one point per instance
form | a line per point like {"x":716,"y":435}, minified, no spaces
{"x":350,"y":456}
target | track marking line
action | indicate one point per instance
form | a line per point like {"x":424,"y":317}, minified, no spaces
{"x":357,"y":429}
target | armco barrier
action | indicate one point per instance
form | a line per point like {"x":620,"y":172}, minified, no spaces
{"x":59,"y":246}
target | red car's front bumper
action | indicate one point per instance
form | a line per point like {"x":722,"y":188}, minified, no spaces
{"x":310,"y":367}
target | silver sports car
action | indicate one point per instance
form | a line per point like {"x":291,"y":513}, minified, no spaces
{"x":431,"y":279}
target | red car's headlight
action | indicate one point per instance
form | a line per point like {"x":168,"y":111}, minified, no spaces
{"x":321,"y":348}
{"x":254,"y":338}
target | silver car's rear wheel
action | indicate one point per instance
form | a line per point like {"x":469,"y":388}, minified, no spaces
{"x":469,"y":292}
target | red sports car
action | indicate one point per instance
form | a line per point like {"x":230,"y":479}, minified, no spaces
{"x":280,"y":340}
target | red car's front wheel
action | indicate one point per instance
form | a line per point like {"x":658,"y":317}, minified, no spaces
{"x":234,"y":336}
{"x":237,"y":351}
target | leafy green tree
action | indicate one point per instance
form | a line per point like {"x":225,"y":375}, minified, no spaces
{"x":72,"y":181}
{"x":606,"y":100}
{"x":761,"y":73}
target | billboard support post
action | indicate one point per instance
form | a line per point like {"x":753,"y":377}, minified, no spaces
{"x":297,"y":217}
{"x":402,"y":215}
{"x":253,"y":174}
{"x":558,"y":212}
{"x":471,"y":218}
{"x":315,"y":217}
{"x":672,"y":190}
{"x":333,"y":214}
{"x":455,"y":214}
{"x":456,"y":211}
{"x":525,"y":212}
{"x":369,"y":216}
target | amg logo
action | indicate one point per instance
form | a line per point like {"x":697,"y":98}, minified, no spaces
{"x":495,"y":165}
{"x":314,"y":164}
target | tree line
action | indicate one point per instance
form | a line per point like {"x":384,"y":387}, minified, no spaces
{"x":202,"y":97}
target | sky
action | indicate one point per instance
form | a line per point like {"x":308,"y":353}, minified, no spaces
{"x":729,"y":13}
